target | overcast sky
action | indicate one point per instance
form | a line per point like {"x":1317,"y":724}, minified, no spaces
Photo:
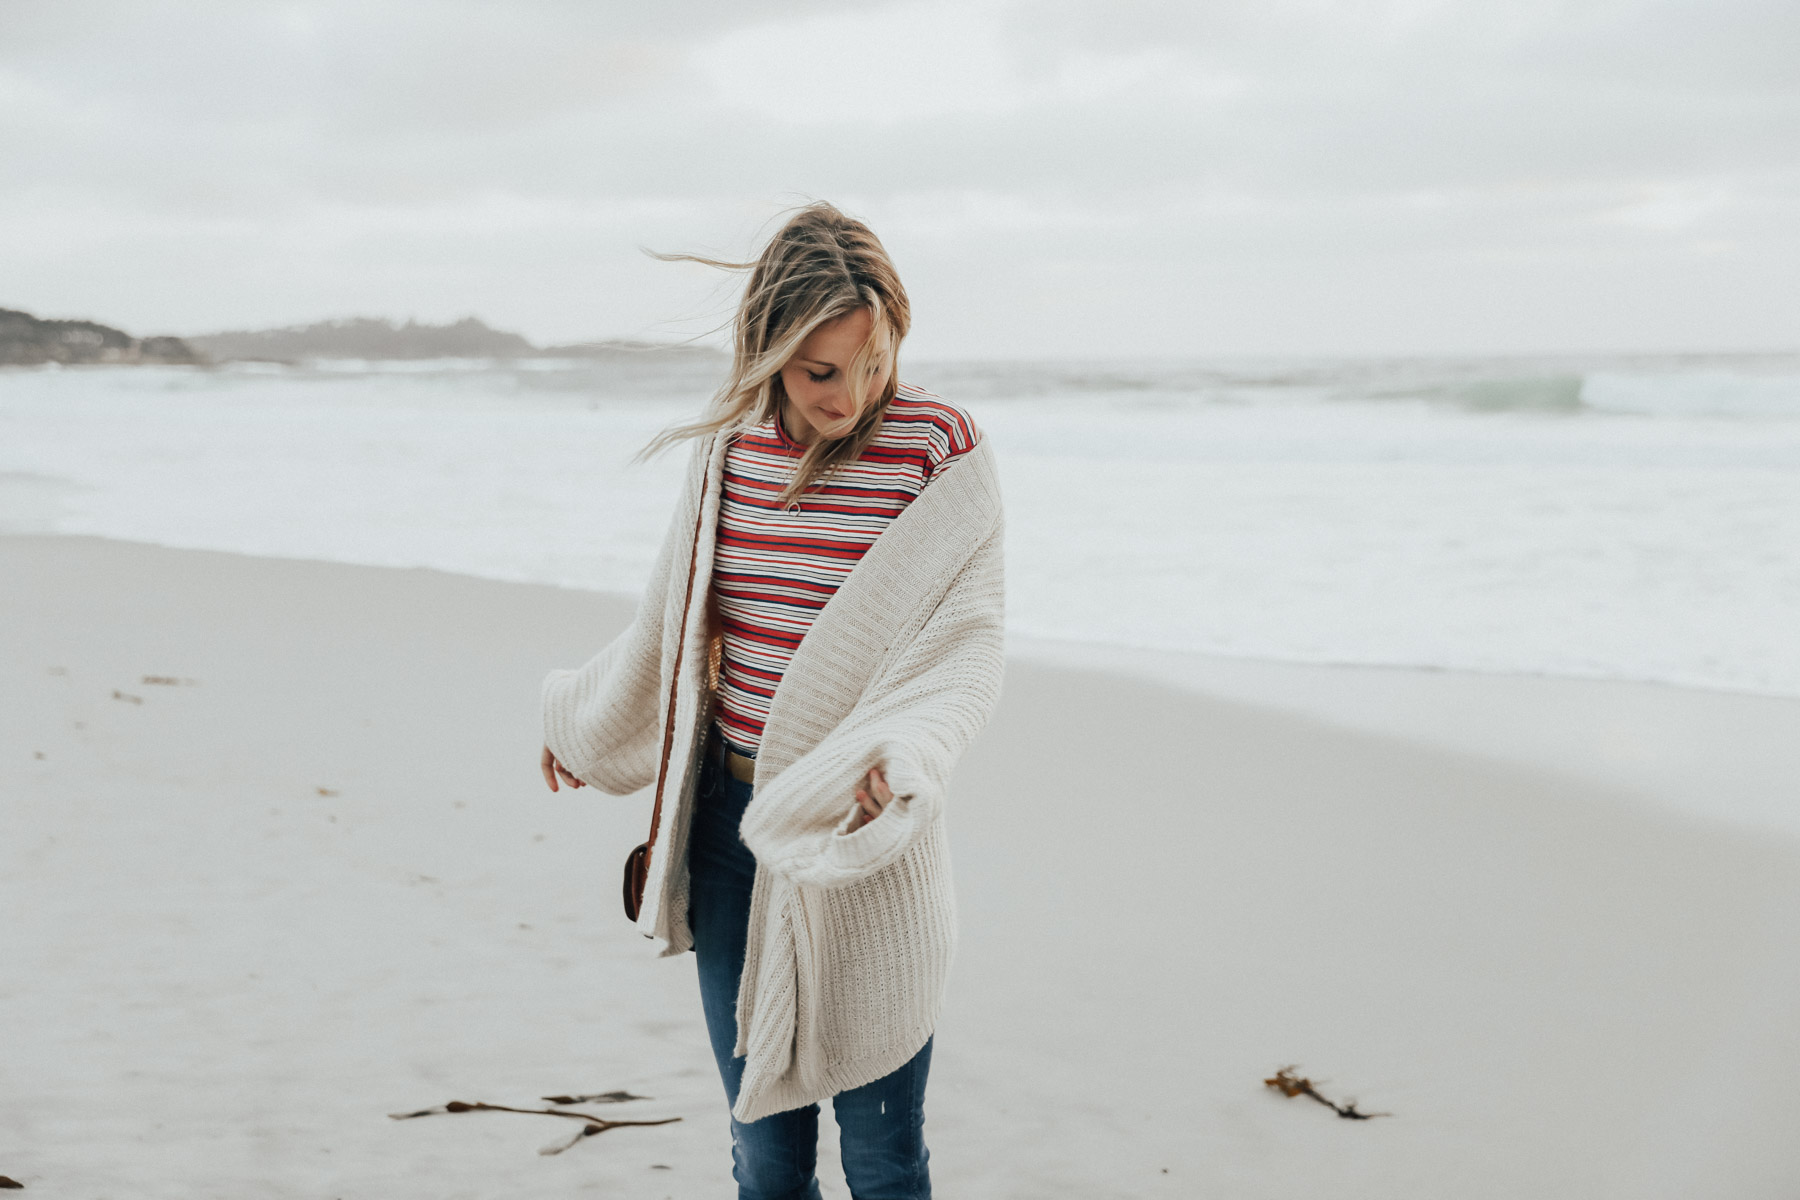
{"x":1088,"y":178}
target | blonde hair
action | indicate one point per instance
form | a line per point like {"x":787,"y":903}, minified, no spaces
{"x":818,"y":267}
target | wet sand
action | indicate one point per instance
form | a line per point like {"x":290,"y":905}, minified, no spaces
{"x":276,"y":861}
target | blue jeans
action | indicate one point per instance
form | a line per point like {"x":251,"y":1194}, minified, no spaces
{"x":882,"y":1124}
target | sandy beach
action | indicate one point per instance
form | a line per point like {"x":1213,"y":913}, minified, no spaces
{"x":276,"y":861}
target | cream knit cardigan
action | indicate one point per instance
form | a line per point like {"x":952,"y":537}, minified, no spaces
{"x":851,"y":933}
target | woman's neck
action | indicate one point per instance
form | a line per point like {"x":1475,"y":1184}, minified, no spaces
{"x":787,"y":427}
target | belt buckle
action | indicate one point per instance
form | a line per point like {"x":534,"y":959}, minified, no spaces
{"x":720,"y":756}
{"x":731,"y":760}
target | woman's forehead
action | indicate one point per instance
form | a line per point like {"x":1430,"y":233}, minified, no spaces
{"x":836,"y":341}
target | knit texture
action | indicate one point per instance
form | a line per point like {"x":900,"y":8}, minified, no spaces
{"x":851,"y":933}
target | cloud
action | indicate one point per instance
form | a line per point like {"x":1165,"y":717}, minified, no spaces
{"x":181,"y":166}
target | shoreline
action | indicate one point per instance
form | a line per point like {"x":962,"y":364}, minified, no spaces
{"x":1086,"y":648}
{"x":1696,"y":751}
{"x":280,"y":863}
{"x":1706,"y":754}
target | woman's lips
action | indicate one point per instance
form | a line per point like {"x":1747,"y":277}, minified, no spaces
{"x":836,"y":416}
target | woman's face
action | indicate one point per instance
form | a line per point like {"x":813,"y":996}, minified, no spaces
{"x":821,"y":402}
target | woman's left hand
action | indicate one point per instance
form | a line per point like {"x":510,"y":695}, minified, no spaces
{"x":872,"y":795}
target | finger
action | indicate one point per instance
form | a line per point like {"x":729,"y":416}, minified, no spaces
{"x":545,"y":763}
{"x":880,"y":788}
{"x":568,"y":776}
{"x":867,"y":803}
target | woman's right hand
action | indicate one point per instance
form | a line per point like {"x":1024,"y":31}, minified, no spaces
{"x":872,"y":797}
{"x":552,"y":769}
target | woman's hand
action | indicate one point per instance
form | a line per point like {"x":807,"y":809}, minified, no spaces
{"x":552,"y":769}
{"x":872,"y":795}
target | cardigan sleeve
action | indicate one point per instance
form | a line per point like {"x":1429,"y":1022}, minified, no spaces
{"x":604,"y":720}
{"x":915,"y":719}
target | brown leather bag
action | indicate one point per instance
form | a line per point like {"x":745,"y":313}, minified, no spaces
{"x":637,"y":863}
{"x":637,"y":873}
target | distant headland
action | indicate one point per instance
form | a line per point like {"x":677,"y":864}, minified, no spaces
{"x":26,"y":340}
{"x":378,"y":338}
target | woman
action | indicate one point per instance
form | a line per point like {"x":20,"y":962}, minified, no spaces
{"x":800,"y":710}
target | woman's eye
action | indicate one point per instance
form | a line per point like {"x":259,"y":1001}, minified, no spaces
{"x":821,"y":378}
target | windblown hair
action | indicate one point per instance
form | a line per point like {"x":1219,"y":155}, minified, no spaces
{"x":819,"y":266}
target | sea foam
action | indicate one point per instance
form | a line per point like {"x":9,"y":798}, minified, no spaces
{"x":1626,"y":518}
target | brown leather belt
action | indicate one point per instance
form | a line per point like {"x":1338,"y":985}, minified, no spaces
{"x":741,"y":766}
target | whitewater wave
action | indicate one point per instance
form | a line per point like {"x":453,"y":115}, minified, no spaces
{"x":1625,"y":519}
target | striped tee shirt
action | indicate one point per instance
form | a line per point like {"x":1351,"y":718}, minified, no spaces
{"x":774,"y":569}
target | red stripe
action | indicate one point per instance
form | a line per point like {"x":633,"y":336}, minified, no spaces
{"x":774,"y":570}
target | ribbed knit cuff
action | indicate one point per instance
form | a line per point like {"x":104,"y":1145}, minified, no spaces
{"x":559,"y":733}
{"x":856,"y":852}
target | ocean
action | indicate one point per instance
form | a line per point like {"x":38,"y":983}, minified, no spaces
{"x":1628,"y":517}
